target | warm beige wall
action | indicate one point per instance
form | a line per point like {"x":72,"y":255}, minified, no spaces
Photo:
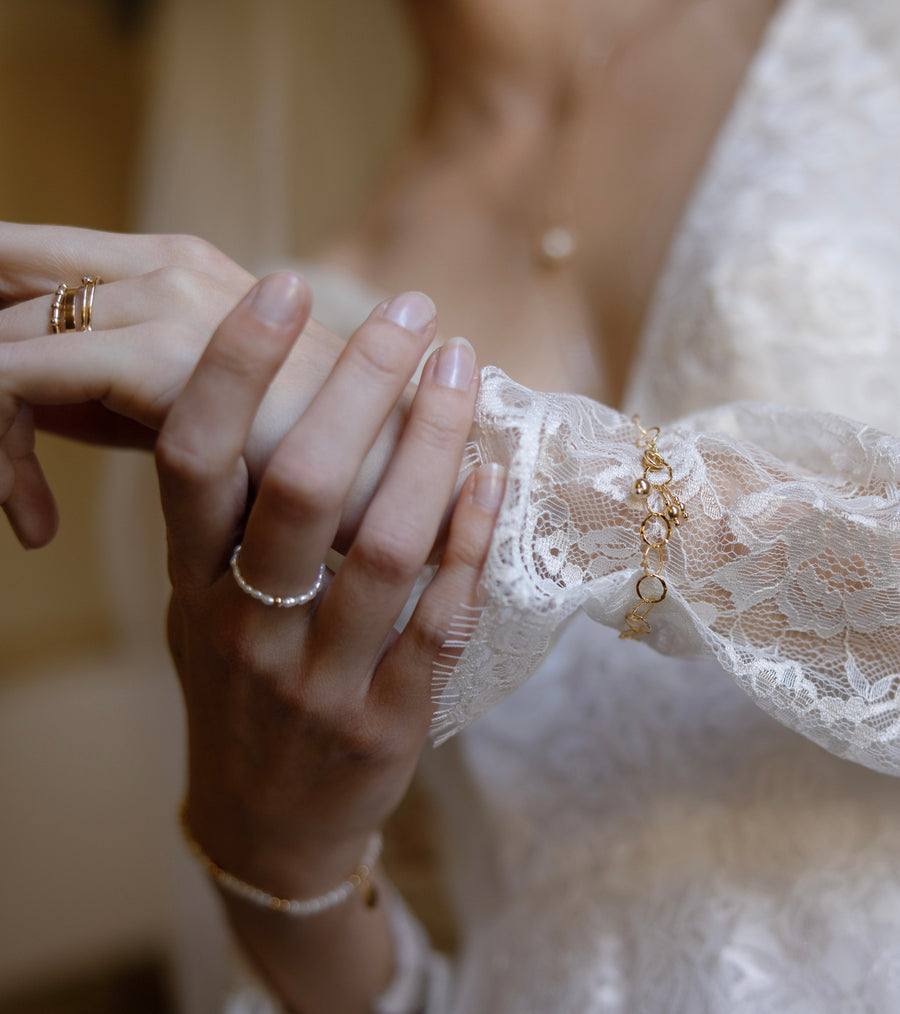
{"x":71,"y":96}
{"x":72,"y":91}
{"x":80,"y":787}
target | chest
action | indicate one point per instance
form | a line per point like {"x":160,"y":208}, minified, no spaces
{"x":643,"y":141}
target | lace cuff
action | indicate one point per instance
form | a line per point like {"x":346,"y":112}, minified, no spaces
{"x":422,"y":981}
{"x":788,"y":571}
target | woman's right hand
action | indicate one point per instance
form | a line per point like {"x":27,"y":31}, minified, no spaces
{"x":305,"y":724}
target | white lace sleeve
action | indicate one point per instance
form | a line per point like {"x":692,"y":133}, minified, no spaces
{"x":422,"y":981}
{"x":788,"y":570}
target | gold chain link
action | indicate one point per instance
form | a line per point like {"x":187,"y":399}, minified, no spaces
{"x":655,"y":530}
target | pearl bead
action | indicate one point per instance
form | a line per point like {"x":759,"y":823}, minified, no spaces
{"x":557,"y":245}
{"x":641,"y":487}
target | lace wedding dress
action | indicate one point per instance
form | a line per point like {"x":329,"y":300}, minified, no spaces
{"x":654,"y":828}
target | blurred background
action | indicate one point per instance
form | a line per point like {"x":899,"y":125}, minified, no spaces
{"x":255,"y":123}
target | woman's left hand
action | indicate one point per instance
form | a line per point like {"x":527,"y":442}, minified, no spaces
{"x":164,"y":297}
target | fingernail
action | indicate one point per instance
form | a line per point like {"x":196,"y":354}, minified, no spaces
{"x":278,"y":297}
{"x":411,"y":310}
{"x":490,"y":484}
{"x":455,"y":364}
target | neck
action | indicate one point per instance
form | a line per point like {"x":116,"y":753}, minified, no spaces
{"x":460,"y":215}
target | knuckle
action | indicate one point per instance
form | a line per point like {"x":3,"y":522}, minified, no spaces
{"x":439,"y":431}
{"x":381,"y":733}
{"x":177,"y":455}
{"x":358,"y":740}
{"x":394,"y":554}
{"x":190,"y":251}
{"x":181,"y":290}
{"x":176,"y":351}
{"x":245,"y":652}
{"x":379,"y":353}
{"x":237,"y":356}
{"x":301,"y":488}
{"x":468,"y":546}
{"x":241,"y":634}
{"x":431,"y":627}
{"x":341,"y":725}
{"x":176,"y":282}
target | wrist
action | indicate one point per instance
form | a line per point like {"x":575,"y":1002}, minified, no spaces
{"x":360,"y":879}
{"x":277,"y":856}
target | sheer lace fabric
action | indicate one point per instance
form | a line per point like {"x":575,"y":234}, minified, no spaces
{"x":788,"y":569}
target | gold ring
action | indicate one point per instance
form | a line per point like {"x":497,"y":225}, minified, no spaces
{"x":56,"y":307}
{"x":88,"y":284}
{"x":73,"y":309}
{"x":68,"y":307}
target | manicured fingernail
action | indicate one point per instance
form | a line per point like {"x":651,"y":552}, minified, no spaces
{"x":455,"y":365}
{"x":278,"y":297}
{"x":411,"y":310}
{"x":490,"y":483}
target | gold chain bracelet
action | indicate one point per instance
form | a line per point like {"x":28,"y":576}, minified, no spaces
{"x":656,"y":530}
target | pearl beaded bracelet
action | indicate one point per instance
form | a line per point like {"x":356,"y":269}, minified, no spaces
{"x":359,"y":879}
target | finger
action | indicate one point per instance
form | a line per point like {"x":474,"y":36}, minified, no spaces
{"x":303,"y":489}
{"x":445,"y":615}
{"x":126,"y":370}
{"x":400,"y":526}
{"x":136,"y":373}
{"x":28,"y":502}
{"x":170,"y":293}
{"x":34,"y":259}
{"x":202,"y":479}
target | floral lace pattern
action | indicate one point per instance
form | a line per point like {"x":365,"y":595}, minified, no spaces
{"x":788,"y":570}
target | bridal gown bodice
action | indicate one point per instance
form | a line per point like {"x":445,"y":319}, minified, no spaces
{"x":630,"y":832}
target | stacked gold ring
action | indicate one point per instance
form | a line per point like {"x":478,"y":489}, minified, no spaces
{"x":73,"y":309}
{"x":56,"y":308}
{"x":88,"y":285}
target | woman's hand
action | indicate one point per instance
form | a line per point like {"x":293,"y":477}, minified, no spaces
{"x":168,"y":292}
{"x":305,"y":724}
{"x":163,"y":298}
